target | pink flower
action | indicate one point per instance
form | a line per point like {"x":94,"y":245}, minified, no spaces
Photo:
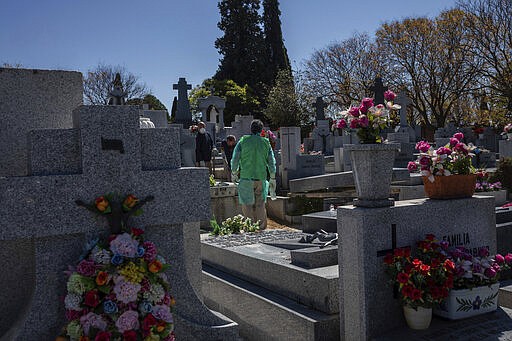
{"x":389,"y":95}
{"x":363,"y":121}
{"x":490,"y":273}
{"x":423,"y":146}
{"x":150,"y":253}
{"x":126,"y":292}
{"x":86,"y":268}
{"x":424,"y":161}
{"x":461,"y":147}
{"x":354,"y":123}
{"x":443,"y":150}
{"x":499,"y":259}
{"x":367,"y":103}
{"x":124,"y":245}
{"x":483,"y":252}
{"x":92,"y":320}
{"x":412,"y":166}
{"x":129,"y":320}
{"x":508,"y":258}
{"x":362,"y":109}
{"x":453,"y":141}
{"x":341,"y":124}
{"x":162,"y":312}
{"x":354,"y":111}
{"x":459,"y":136}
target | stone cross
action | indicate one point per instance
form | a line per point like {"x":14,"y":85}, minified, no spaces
{"x":404,"y":102}
{"x":183,"y":114}
{"x":43,"y":231}
{"x":320,"y":106}
{"x":378,"y":90}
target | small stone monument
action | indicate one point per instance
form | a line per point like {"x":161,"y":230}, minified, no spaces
{"x":183,"y":114}
{"x":117,"y":95}
{"x":378,"y":90}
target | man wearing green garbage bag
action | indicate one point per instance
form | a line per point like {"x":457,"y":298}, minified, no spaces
{"x":251,"y":160}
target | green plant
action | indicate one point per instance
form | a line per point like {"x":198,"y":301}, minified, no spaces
{"x":236,"y":224}
{"x":212,"y":181}
{"x":503,"y":173}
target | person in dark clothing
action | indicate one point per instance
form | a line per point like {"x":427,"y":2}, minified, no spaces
{"x":227,"y":147}
{"x":204,"y":146}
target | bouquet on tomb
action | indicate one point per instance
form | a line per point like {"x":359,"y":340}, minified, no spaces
{"x":453,"y":158}
{"x":369,"y":119}
{"x":193,"y":129}
{"x":484,"y":184}
{"x":424,"y":280}
{"x":474,"y":271}
{"x":507,"y":130}
{"x":119,"y":289}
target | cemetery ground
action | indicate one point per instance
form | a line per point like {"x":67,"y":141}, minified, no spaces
{"x":71,"y":173}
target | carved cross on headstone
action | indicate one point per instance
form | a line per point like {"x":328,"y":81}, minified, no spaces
{"x":382,"y":253}
{"x":404,"y":102}
{"x":378,"y":90}
{"x":117,"y":95}
{"x":320,"y":106}
{"x":183,"y":114}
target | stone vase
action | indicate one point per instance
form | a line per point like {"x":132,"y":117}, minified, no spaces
{"x":418,"y":319}
{"x":372,"y":166}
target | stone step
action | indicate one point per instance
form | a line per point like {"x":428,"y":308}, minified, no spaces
{"x":335,"y":180}
{"x":263,"y":315}
{"x":270,"y":267}
{"x":503,"y":215}
{"x":314,"y":222}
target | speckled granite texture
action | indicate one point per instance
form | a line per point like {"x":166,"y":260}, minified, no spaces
{"x":41,"y":223}
{"x":33,"y":99}
{"x":366,"y":301}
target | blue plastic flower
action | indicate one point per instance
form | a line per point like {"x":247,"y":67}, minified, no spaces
{"x":110,"y":307}
{"x":140,"y":251}
{"x":145,"y":307}
{"x":117,"y":260}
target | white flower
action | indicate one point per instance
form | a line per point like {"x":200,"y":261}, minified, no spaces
{"x":72,"y":302}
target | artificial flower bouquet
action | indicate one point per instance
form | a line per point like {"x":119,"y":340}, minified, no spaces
{"x":424,"y":280}
{"x":118,"y":290}
{"x":507,"y":130}
{"x":453,"y":158}
{"x":483,"y":183}
{"x":369,"y":119}
{"x":270,"y":136}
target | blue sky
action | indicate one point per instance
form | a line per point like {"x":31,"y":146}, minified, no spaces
{"x":162,"y":40}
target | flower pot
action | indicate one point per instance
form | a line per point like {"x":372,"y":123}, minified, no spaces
{"x":418,"y":319}
{"x":464,"y":303}
{"x":372,"y":166}
{"x":450,"y":187}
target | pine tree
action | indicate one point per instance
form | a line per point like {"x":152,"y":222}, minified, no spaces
{"x":276,"y":51}
{"x":243,"y":45}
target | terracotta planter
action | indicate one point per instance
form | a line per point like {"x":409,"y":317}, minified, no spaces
{"x":464,"y":303}
{"x":450,"y":187}
{"x":418,"y":319}
{"x":372,"y":166}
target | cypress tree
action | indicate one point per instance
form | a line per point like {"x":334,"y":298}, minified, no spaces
{"x":243,"y":45}
{"x":276,"y":51}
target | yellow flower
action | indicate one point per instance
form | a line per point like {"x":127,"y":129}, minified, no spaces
{"x":132,"y":272}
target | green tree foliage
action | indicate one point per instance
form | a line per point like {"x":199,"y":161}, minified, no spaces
{"x":243,"y":45}
{"x":276,"y":51}
{"x":154,"y":103}
{"x":240,"y":100}
{"x":283,"y":107}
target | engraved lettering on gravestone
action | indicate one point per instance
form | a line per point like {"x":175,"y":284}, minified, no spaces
{"x":112,"y":144}
{"x":462,"y":239}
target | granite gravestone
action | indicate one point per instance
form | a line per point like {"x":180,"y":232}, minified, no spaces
{"x":505,"y":148}
{"x":183,"y":114}
{"x":33,"y":99}
{"x":290,"y":149}
{"x":43,"y":229}
{"x":403,"y":134}
{"x":367,"y":306}
{"x":117,"y":94}
{"x":212,"y":108}
{"x":320,"y":106}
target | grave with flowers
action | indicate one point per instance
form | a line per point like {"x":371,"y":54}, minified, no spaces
{"x":45,"y":231}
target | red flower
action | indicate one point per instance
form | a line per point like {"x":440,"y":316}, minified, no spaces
{"x":430,"y":237}
{"x":424,"y":268}
{"x":407,"y":252}
{"x":92,"y":299}
{"x":449,"y":265}
{"x":102,"y":336}
{"x":416,"y":294}
{"x":407,"y":291}
{"x":398,"y":252}
{"x":388,"y":259}
{"x":402,"y":277}
{"x":435,"y":262}
{"x":137,"y":232}
{"x":130,"y":335}
{"x":148,"y":322}
{"x":416,"y":262}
